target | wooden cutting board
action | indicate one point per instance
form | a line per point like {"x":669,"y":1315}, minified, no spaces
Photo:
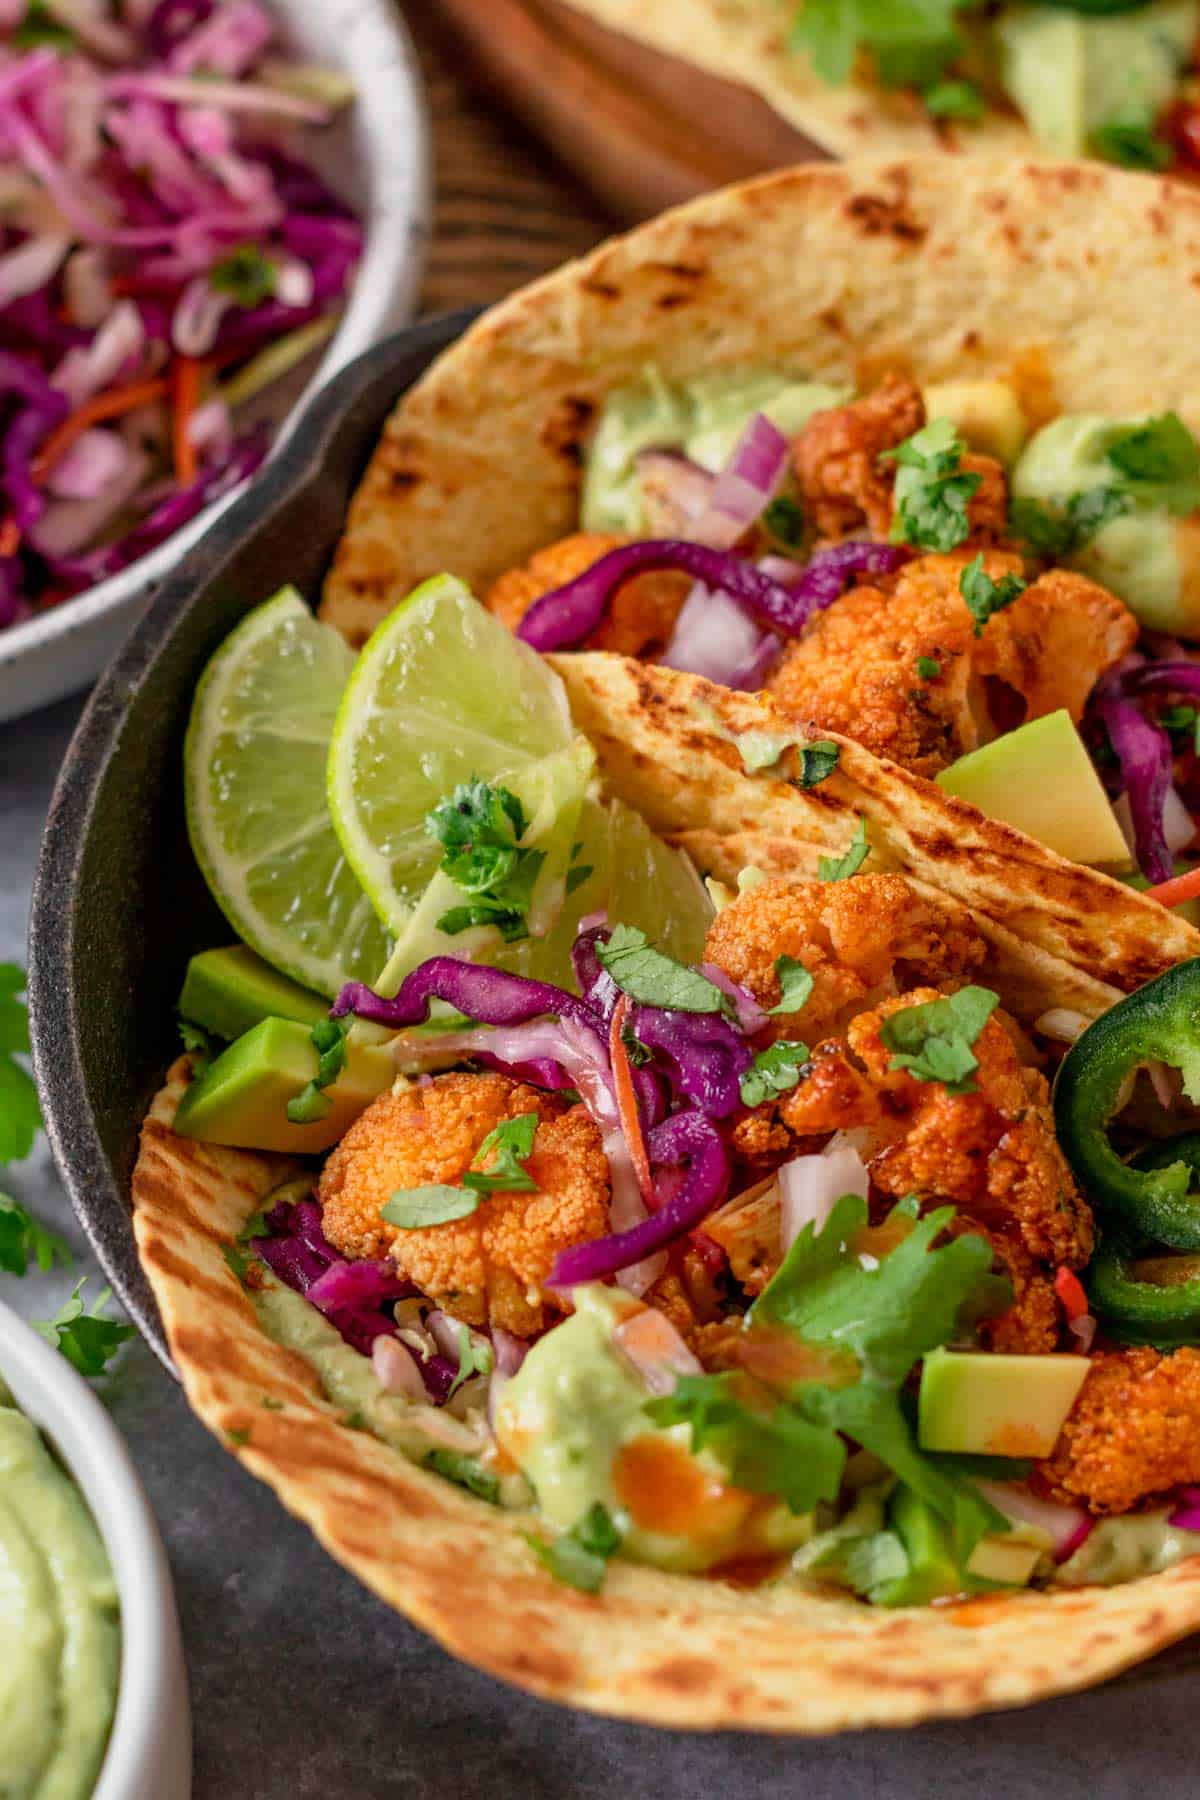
{"x":642,"y":130}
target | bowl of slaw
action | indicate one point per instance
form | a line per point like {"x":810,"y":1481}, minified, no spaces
{"x":259,"y":170}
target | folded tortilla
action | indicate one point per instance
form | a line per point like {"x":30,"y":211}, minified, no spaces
{"x":1081,"y":286}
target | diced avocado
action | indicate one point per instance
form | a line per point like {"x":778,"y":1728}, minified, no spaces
{"x":1137,"y":557}
{"x":1069,"y":73}
{"x":229,"y":991}
{"x":983,"y":1404}
{"x":703,"y":418}
{"x":1005,"y":1559}
{"x":1039,"y":778}
{"x":933,"y":1571}
{"x":986,"y":414}
{"x":241,"y":1098}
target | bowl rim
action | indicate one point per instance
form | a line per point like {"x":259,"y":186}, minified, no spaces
{"x":69,"y":1119}
{"x":384,"y":291}
{"x":60,"y":1403}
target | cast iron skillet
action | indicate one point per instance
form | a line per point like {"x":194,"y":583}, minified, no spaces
{"x":119,"y":904}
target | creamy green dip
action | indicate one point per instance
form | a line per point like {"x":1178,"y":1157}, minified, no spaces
{"x":1122,"y":1549}
{"x":60,"y":1636}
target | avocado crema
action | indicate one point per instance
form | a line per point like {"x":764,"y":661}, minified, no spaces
{"x":59,"y":1625}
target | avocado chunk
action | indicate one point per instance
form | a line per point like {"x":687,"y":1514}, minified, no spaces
{"x":1069,"y":75}
{"x":1005,"y":1560}
{"x":241,"y":1099}
{"x":986,"y":414}
{"x":983,"y":1404}
{"x":1039,"y":778}
{"x":230,"y":991}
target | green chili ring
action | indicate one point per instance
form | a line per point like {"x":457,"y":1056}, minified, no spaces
{"x":1142,"y":1312}
{"x":1159,"y":1023}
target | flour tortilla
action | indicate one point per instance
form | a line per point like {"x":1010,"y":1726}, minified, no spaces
{"x":1078,"y":283}
{"x":747,"y":41}
{"x":669,"y":1649}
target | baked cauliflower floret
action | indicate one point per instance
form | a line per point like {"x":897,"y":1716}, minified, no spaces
{"x":1134,"y":1431}
{"x":843,"y":484}
{"x":643,"y":611}
{"x":992,"y":1152}
{"x":855,"y":669}
{"x":860,"y":940}
{"x":491,"y":1267}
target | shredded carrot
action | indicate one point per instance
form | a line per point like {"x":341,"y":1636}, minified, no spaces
{"x":110,"y":405}
{"x":10,"y":537}
{"x":1182,"y":887}
{"x":185,"y":391}
{"x":627,"y":1106}
{"x":1069,"y":1289}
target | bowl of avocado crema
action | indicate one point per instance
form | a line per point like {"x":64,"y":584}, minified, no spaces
{"x":93,"y":1695}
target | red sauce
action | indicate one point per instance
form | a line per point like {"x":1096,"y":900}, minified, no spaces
{"x":664,"y":1489}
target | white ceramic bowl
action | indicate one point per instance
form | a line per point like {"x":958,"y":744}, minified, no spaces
{"x":150,"y":1750}
{"x":377,"y":155}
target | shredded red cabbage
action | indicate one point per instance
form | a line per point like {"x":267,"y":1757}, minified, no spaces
{"x":355,"y":1297}
{"x":705,"y":1056}
{"x":1186,"y":1514}
{"x":492,"y":996}
{"x":1143,"y":751}
{"x":686,"y":1137}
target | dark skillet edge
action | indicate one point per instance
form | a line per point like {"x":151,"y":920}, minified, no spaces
{"x":82,"y":933}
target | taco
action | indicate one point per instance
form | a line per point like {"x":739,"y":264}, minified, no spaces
{"x":1114,"y":79}
{"x":696,"y":1303}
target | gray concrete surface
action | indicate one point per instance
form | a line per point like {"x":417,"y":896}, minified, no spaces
{"x":306,"y":1688}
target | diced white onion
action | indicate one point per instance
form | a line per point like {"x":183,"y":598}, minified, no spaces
{"x":810,"y":1186}
{"x":397,"y":1369}
{"x":1062,"y":1023}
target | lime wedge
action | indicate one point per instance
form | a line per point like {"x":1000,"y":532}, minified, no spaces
{"x":254,"y":777}
{"x":441,"y":693}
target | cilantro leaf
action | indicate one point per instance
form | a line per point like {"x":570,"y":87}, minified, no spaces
{"x":23,"y":1240}
{"x":773,"y":1071}
{"x":197,"y":1043}
{"x":784,"y":519}
{"x":465,"y":1472}
{"x":312,"y":1102}
{"x":578,"y":1557}
{"x":412,"y":1209}
{"x":840,"y":868}
{"x":890,"y":1315}
{"x":512,"y":1140}
{"x":87,"y":1339}
{"x":654,"y":979}
{"x":934,"y":1041}
{"x":985,"y":596}
{"x":20,"y":1115}
{"x":237,"y":1260}
{"x":955,"y":100}
{"x":1159,"y":462}
{"x":247,"y":275}
{"x":932,"y":491}
{"x":780,"y":1452}
{"x":928,"y":668}
{"x":817,"y":762}
{"x":39,"y":29}
{"x":910,"y":41}
{"x":1056,"y":535}
{"x":795,"y":985}
{"x":1131,"y":141}
{"x":480,"y":827}
{"x":473,"y":1359}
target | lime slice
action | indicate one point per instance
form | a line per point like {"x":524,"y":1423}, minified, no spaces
{"x":441,"y":693}
{"x":254,"y":778}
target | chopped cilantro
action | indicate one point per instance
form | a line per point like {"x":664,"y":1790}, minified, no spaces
{"x":464,"y":1472}
{"x":1159,"y":462}
{"x":239,"y":1435}
{"x":784,"y":519}
{"x":412,"y":1209}
{"x":1131,"y":141}
{"x":795,"y":985}
{"x":246,"y":275}
{"x":928,"y":668}
{"x":312,"y":1102}
{"x":20,"y":1117}
{"x":985,"y":596}
{"x":763,"y":749}
{"x":1179,"y":718}
{"x":87,"y":1339}
{"x":1056,"y":535}
{"x":780,"y":1452}
{"x":840,"y":868}
{"x":578,"y":1557}
{"x":480,"y":828}
{"x":654,"y":979}
{"x":473,"y":1359}
{"x":40,"y":30}
{"x":577,"y":872}
{"x":23,"y":1240}
{"x":354,"y":1421}
{"x":955,"y":100}
{"x":512,"y":1140}
{"x":271,"y":1404}
{"x":934,"y":1041}
{"x":911,"y":42}
{"x":817,"y":762}
{"x":237,"y":1260}
{"x":932,"y":491}
{"x":197,"y":1043}
{"x":773,"y":1071}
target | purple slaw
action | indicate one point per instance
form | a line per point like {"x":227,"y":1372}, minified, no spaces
{"x":165,"y":255}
